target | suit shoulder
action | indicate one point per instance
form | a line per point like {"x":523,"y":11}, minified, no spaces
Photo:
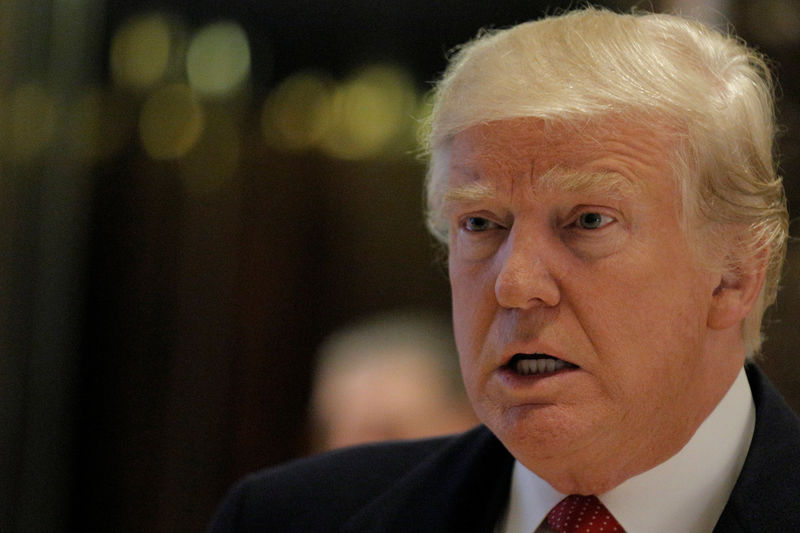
{"x":766,"y":494}
{"x":319,"y":492}
{"x":367,"y":467}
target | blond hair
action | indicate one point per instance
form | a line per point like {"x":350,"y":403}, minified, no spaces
{"x":658,"y":70}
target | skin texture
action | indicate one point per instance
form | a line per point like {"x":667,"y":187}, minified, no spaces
{"x":567,"y":241}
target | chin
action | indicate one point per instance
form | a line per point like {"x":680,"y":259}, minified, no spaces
{"x":579,"y":482}
{"x":560,"y":452}
{"x":535,"y":436}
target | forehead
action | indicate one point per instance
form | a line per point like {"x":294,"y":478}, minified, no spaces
{"x":613,"y":157}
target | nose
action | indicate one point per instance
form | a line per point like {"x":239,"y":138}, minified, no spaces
{"x":524,"y":279}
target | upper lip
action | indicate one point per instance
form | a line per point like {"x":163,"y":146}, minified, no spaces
{"x":537,"y":348}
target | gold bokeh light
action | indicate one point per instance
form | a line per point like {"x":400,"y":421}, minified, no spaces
{"x":218,"y":59}
{"x":170,"y":122}
{"x":140,"y":51}
{"x":296,"y":114}
{"x":422,"y":121}
{"x":29,"y":119}
{"x":372,"y":114}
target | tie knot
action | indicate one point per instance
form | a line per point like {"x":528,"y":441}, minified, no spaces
{"x":583,"y":514}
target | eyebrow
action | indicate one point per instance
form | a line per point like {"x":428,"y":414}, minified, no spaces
{"x":556,"y":180}
{"x":471,"y":192}
{"x":602,"y":182}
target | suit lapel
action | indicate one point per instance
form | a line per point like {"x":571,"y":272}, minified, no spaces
{"x":766,"y":496}
{"x":463,"y":487}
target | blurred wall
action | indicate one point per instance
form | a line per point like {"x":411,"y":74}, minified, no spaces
{"x":193,"y":195}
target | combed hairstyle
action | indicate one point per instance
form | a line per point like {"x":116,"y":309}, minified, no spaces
{"x":709,"y":92}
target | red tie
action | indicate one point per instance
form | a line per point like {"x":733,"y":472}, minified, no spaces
{"x":583,"y":514}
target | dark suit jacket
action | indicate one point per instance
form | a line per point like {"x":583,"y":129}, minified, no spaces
{"x":461,"y":484}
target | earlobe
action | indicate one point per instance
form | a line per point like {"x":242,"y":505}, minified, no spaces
{"x":735,"y":296}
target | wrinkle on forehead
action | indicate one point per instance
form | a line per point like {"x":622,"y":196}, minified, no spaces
{"x":556,"y":180}
{"x":571,"y":158}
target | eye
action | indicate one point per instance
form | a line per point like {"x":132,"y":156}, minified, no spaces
{"x":478,"y":224}
{"x":593,"y":220}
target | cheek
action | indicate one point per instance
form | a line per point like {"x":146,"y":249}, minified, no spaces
{"x":462,"y":309}
{"x":647,"y":327}
{"x":472,"y":292}
{"x":466,"y":325}
{"x":473,"y":305}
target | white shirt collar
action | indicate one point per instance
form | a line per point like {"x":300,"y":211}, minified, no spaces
{"x":685,"y":493}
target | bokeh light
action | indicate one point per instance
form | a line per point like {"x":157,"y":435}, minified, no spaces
{"x":371,"y":114}
{"x":218,"y":59}
{"x":29,"y":119}
{"x":422,"y":124}
{"x":171,"y":122}
{"x":140,"y":51}
{"x":296,"y":114}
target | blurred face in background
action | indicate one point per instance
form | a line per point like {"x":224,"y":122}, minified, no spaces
{"x":394,"y":395}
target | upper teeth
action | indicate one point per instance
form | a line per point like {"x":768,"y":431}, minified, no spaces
{"x":536,"y":366}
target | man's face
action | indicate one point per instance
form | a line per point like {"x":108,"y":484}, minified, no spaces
{"x":567,"y":256}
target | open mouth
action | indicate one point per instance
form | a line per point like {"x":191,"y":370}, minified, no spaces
{"x":537,"y":363}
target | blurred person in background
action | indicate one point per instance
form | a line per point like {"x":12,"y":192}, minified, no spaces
{"x":391,"y":376}
{"x":606,"y":190}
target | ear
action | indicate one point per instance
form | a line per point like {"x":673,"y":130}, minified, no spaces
{"x":737,"y":293}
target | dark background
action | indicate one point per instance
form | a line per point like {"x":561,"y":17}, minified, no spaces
{"x":156,"y":343}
